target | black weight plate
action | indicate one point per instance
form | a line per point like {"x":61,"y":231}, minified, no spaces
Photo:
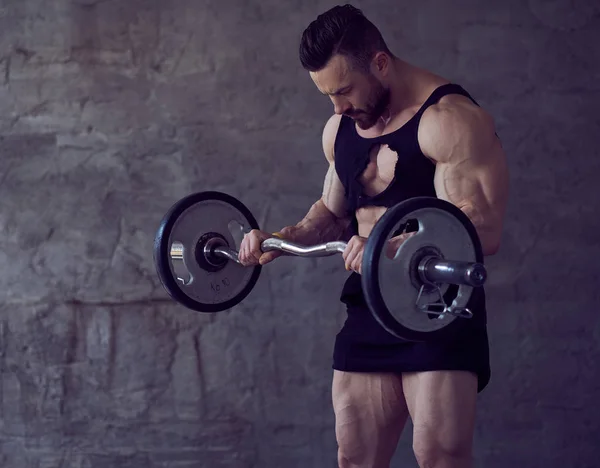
{"x":182,"y":229}
{"x":389,"y":285}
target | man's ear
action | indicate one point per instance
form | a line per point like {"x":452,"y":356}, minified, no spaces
{"x":381,"y":62}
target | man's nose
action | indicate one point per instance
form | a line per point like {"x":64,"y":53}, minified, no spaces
{"x":341,"y":106}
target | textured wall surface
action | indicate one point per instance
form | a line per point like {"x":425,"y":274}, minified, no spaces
{"x":110,"y":111}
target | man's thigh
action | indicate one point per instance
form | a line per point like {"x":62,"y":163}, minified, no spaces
{"x":370,"y":414}
{"x":442,"y":408}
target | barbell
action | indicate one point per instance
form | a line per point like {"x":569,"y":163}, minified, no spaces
{"x":417,"y":291}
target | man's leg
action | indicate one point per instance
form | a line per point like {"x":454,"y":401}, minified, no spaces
{"x":442,"y":407}
{"x":370,"y":413}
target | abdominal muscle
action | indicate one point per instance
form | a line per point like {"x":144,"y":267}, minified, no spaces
{"x":367,"y":217}
{"x":377,"y":176}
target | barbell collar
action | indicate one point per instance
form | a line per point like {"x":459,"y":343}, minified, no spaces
{"x":436,"y":270}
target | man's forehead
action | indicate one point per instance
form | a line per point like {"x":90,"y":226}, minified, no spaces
{"x":335,"y":76}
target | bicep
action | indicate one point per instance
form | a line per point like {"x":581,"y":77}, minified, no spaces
{"x":471,"y":173}
{"x":475,"y":172}
{"x":334,"y":193}
{"x":476,"y":185}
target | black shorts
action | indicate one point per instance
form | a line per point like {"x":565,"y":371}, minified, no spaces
{"x":362,"y":345}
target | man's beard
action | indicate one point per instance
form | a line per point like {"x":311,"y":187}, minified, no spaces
{"x":376,"y":106}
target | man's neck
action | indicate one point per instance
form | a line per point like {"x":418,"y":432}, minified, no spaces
{"x":402,"y":88}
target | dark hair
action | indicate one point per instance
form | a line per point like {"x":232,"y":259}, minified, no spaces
{"x":343,"y":30}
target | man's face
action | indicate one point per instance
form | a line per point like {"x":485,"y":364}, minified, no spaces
{"x":354,"y":93}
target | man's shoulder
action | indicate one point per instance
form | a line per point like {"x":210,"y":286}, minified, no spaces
{"x":329,"y":136}
{"x":454,"y":121}
{"x":452,"y":112}
{"x":332,"y":124}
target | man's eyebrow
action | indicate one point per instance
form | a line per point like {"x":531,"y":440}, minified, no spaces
{"x":337,"y":91}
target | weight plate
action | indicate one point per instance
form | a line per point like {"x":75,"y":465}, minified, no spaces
{"x":197,"y":221}
{"x":390,"y":281}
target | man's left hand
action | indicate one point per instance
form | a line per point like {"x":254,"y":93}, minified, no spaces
{"x":353,"y":254}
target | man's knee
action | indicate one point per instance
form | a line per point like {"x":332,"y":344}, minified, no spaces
{"x":370,"y":412}
{"x":352,"y":446}
{"x":441,"y":451}
{"x":364,"y":439}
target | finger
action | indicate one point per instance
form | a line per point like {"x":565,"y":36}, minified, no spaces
{"x":350,"y":258}
{"x":346,"y":255}
{"x":357,"y":256}
{"x":355,"y":266}
{"x":268,"y":257}
{"x":348,"y":250}
{"x":287,"y":233}
{"x":247,"y":250}
{"x":359,"y":259}
{"x":246,"y":259}
{"x":242,"y":252}
{"x":255,"y":248}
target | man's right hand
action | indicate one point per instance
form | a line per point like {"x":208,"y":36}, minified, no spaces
{"x":250,"y":253}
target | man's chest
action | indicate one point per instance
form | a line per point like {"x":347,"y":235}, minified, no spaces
{"x":380,"y":170}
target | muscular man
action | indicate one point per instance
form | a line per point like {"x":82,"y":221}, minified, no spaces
{"x":398,"y":132}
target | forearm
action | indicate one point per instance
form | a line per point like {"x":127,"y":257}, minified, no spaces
{"x":395,"y":242}
{"x":490,"y":243}
{"x":488,"y":228}
{"x":319,"y":225}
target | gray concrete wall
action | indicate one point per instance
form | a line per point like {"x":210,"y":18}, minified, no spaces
{"x":111,"y":111}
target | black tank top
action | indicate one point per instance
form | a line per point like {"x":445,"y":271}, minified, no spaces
{"x":413,"y":174}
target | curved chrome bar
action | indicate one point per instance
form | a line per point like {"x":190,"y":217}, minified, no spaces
{"x":320,"y":250}
{"x":229,"y":254}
